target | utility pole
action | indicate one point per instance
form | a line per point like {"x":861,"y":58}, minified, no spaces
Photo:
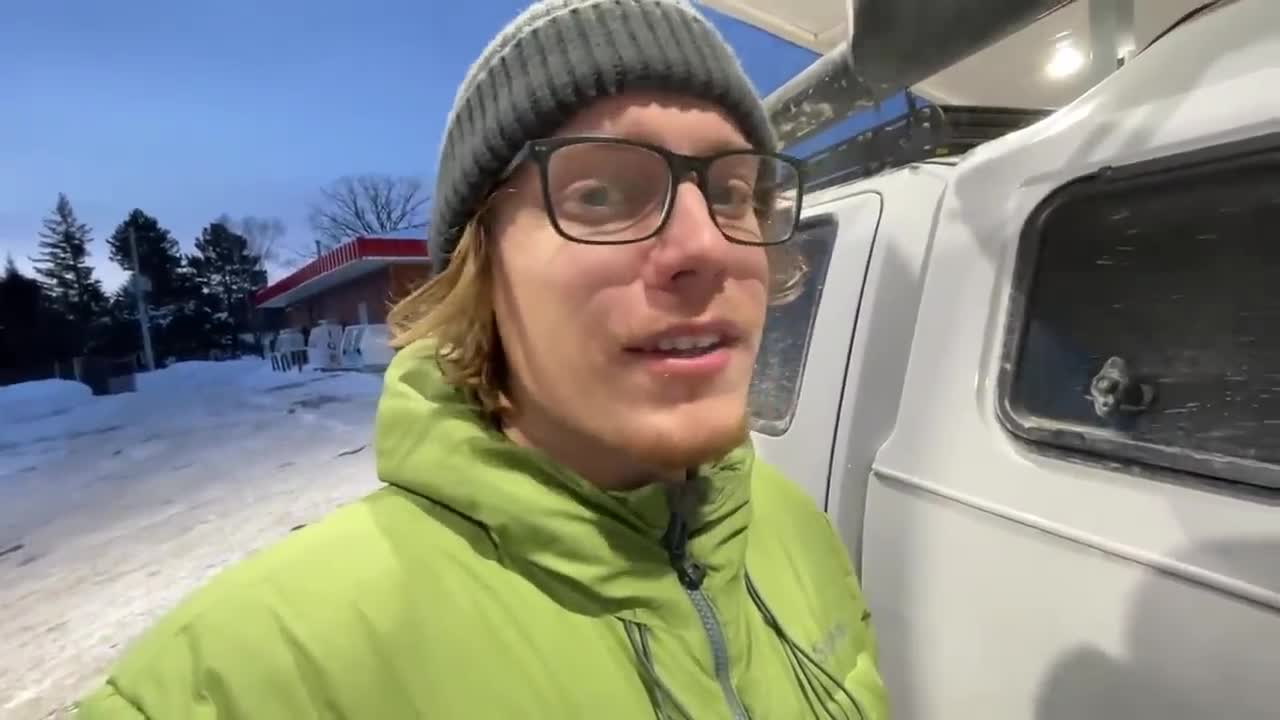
{"x":139,"y":280}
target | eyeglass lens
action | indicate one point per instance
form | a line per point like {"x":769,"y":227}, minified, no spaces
{"x":605,"y":192}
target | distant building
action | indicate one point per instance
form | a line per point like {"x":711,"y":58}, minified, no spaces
{"x":353,"y":283}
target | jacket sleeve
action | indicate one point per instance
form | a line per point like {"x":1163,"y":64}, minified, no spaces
{"x":214,"y":670}
{"x":230,"y":655}
{"x":106,"y":703}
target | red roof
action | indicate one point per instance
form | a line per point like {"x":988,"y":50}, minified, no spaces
{"x":352,"y":258}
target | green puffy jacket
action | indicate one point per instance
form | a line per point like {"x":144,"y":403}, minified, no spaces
{"x":485,"y":582}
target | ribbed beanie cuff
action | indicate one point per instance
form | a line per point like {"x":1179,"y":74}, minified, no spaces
{"x":549,"y":63}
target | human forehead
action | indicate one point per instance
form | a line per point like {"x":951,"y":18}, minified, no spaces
{"x":681,"y":124}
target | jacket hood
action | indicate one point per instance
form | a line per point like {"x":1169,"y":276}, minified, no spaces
{"x":594,"y":550}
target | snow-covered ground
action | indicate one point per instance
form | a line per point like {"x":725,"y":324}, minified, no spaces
{"x":113,"y":508}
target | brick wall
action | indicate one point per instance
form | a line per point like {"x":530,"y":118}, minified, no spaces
{"x":378,"y":290}
{"x":406,"y":278}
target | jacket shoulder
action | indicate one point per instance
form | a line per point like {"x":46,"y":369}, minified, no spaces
{"x":290,"y":630}
{"x":793,"y":538}
{"x":779,"y":504}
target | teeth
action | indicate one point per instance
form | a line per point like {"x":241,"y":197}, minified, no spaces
{"x":688,"y":342}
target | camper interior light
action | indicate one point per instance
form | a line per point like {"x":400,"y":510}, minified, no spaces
{"x":1066,"y":60}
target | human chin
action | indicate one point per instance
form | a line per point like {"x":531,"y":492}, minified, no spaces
{"x":674,"y":434}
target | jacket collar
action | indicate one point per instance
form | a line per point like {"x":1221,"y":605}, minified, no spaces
{"x":592,"y":550}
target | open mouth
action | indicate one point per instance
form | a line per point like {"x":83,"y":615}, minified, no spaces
{"x":683,"y":346}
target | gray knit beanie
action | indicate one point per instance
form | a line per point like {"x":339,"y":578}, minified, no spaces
{"x":550,"y":63}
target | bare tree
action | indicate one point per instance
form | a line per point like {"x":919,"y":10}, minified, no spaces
{"x":365,"y":205}
{"x":265,"y":235}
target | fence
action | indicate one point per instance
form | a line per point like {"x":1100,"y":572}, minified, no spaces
{"x":64,"y":370}
{"x":103,"y":375}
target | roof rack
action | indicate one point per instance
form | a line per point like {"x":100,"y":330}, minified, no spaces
{"x":895,"y":45}
{"x":972,"y":125}
{"x":925,"y":131}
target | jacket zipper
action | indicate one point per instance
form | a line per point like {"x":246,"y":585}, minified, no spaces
{"x":691,"y":576}
{"x":719,"y":651}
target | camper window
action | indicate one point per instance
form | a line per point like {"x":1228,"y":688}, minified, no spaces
{"x":775,"y":386}
{"x":1144,"y":316}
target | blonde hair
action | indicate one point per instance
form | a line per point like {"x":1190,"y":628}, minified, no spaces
{"x":455,"y":310}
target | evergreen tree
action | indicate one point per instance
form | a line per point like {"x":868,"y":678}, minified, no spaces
{"x":63,"y":265}
{"x":31,"y":335}
{"x":118,"y":334}
{"x":21,"y":308}
{"x":159,"y":256}
{"x":177,"y":318}
{"x":228,"y":273}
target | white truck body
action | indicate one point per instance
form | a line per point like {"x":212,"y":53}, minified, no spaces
{"x":1011,"y":576}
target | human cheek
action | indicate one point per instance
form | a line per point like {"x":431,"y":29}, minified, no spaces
{"x":749,"y":266}
{"x":749,"y":260}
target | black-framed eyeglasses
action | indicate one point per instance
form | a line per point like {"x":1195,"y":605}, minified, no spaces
{"x":610,"y":191}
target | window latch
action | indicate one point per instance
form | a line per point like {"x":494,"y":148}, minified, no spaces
{"x":1114,"y":390}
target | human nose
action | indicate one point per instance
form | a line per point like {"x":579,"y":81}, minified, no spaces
{"x":691,"y":248}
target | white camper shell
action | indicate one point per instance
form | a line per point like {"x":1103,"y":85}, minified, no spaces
{"x":366,"y":347}
{"x":324,"y":346}
{"x":1037,"y":389}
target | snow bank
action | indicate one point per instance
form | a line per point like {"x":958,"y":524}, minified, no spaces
{"x":65,"y":420}
{"x":125,"y":503}
{"x":40,"y":399}
{"x":59,"y":410}
{"x":198,"y":373}
{"x":263,"y":378}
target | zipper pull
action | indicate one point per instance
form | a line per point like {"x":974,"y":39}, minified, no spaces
{"x":691,"y":575}
{"x":675,"y":541}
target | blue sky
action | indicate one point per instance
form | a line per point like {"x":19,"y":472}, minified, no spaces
{"x":189,"y":110}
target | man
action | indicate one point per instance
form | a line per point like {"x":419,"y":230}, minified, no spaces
{"x":574,"y":523}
